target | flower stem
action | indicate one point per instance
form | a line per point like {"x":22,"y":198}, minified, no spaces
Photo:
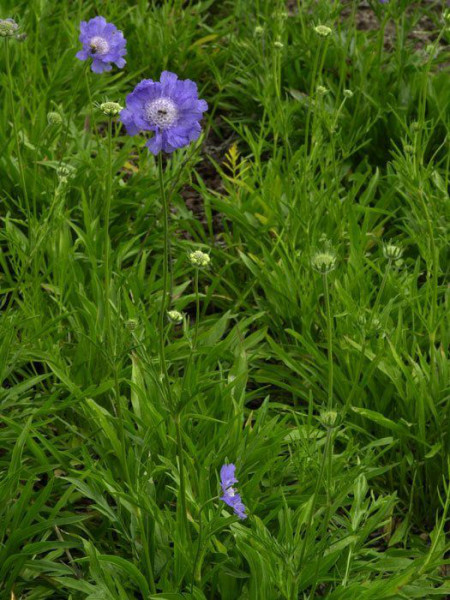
{"x":148,"y":561}
{"x":15,"y":127}
{"x":162,"y":314}
{"x":329,"y":342}
{"x":107,"y":245}
{"x":164,"y":371}
{"x":434,"y":272}
{"x":363,"y":346}
{"x":183,"y":506}
{"x":197,"y":309}
{"x":118,"y":409}
{"x":88,"y":89}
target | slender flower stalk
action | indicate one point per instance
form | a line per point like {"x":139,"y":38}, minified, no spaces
{"x":433,"y":271}
{"x":165,"y":281}
{"x":15,"y":125}
{"x":197,"y":309}
{"x":107,"y":244}
{"x":91,"y":107}
{"x":329,"y":341}
{"x":363,"y":347}
{"x":145,"y":545}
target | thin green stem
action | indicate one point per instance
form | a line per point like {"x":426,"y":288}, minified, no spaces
{"x":164,"y":371}
{"x":329,"y":341}
{"x":165,"y":283}
{"x":118,"y":409}
{"x":197,"y":309}
{"x":314,"y":498}
{"x":15,"y":127}
{"x":363,"y":346}
{"x":148,"y":561}
{"x":91,"y":107}
{"x":183,"y":505}
{"x":434,"y":290}
{"x":197,"y":564}
{"x":107,"y":244}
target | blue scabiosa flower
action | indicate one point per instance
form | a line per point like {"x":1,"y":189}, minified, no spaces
{"x":102,"y":42}
{"x":170,"y":107}
{"x":230,"y":496}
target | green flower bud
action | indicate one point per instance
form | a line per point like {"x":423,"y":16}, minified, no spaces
{"x":392,"y":252}
{"x":322,"y":30}
{"x":65,"y":172}
{"x":110,"y":109}
{"x":324,"y":262}
{"x":321,"y":90}
{"x":199,"y":259}
{"x":8,"y":27}
{"x":54,"y":118}
{"x":329,"y":418}
{"x":348,"y":93}
{"x":175,"y":316}
{"x":131,"y":324}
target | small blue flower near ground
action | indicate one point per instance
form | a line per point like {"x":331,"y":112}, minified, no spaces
{"x":102,"y":42}
{"x":230,"y":496}
{"x":170,"y":107}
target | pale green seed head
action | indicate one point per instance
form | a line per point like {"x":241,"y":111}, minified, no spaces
{"x":54,"y":118}
{"x":110,"y":109}
{"x":324,"y":262}
{"x":329,"y":418}
{"x":321,"y":90}
{"x":199,"y":259}
{"x":175,"y":316}
{"x":65,"y":172}
{"x":323,"y":30}
{"x":348,"y":93}
{"x":8,"y":27}
{"x":131,"y":324}
{"x":392,"y":252}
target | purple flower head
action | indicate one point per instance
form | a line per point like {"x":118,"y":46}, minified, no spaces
{"x":230,"y":496}
{"x":170,"y":107}
{"x":102,"y":42}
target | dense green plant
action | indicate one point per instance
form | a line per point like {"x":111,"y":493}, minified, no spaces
{"x":310,"y":352}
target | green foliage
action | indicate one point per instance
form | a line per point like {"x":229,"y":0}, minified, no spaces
{"x":326,"y":387}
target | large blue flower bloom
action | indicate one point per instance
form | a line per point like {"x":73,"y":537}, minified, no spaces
{"x":170,"y":107}
{"x":230,"y":496}
{"x":102,"y":42}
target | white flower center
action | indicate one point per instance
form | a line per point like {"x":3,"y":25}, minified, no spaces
{"x":161,"y":112}
{"x":231,"y":492}
{"x":99,"y":45}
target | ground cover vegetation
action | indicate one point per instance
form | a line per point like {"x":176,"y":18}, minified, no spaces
{"x":224,"y":304}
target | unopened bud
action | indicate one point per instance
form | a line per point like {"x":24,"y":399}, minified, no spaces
{"x":110,"y":109}
{"x":54,"y":118}
{"x":175,"y":316}
{"x":322,"y":30}
{"x":392,"y":252}
{"x":131,"y":324}
{"x":324,"y":262}
{"x":199,"y":259}
{"x":8,"y":27}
